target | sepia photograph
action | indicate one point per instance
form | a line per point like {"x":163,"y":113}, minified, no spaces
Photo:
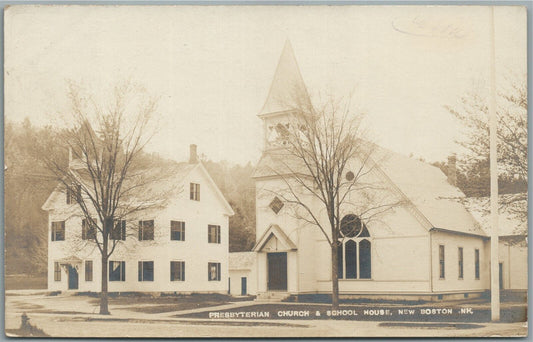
{"x":237,"y":171}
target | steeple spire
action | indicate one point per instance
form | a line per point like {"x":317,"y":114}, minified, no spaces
{"x":288,"y":87}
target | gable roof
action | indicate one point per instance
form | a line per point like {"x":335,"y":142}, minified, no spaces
{"x":178,"y":170}
{"x":434,"y":201}
{"x":509,"y":224}
{"x":220,"y":196}
{"x":274,"y":231}
{"x":287,"y":84}
{"x":179,"y":173}
{"x":428,"y":189}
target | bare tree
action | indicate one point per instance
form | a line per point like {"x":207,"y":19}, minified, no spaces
{"x":329,"y":170}
{"x":512,"y":135}
{"x":108,"y":176}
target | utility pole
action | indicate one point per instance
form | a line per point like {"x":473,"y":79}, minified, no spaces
{"x":494,"y":258}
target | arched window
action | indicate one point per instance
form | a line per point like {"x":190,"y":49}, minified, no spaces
{"x":364,"y":259}
{"x":350,"y":225}
{"x":351,"y":259}
{"x":354,"y":249}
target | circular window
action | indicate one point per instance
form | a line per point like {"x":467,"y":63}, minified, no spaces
{"x":350,"y":225}
{"x":350,"y":176}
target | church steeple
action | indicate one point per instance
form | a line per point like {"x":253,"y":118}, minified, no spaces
{"x":287,"y":85}
{"x":286,"y":92}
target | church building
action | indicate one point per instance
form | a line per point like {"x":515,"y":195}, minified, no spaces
{"x":429,"y":248}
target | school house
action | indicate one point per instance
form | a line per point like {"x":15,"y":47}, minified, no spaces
{"x":182,"y":247}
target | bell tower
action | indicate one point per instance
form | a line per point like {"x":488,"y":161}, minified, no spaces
{"x":287,"y":93}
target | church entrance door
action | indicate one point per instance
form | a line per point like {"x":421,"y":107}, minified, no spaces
{"x":277,"y":271}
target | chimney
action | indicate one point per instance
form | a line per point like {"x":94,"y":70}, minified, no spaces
{"x":193,"y":156}
{"x":452,"y":170}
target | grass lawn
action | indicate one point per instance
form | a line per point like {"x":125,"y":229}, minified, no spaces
{"x":147,"y":303}
{"x":154,"y":309}
{"x":25,"y":282}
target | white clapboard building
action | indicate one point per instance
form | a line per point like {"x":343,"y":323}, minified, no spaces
{"x":183,"y":247}
{"x":429,"y":248}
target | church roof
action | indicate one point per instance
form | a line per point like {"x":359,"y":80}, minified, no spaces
{"x":287,"y":85}
{"x":424,"y":186}
{"x":509,"y":223}
{"x":428,"y":189}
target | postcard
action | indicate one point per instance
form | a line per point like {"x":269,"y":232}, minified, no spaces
{"x":265,"y":171}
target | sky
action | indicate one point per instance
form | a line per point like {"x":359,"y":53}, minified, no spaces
{"x":211,"y":66}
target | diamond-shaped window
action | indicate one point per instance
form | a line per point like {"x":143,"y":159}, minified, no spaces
{"x":276,"y":205}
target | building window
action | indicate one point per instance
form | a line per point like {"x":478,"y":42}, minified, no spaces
{"x":354,"y":255}
{"x":146,"y":230}
{"x":460,"y":261}
{"x":350,"y":176}
{"x":213,"y":233}
{"x":117,"y":271}
{"x":57,"y":272}
{"x":364,"y":259}
{"x":88,"y":232}
{"x":441,"y":262}
{"x":88,"y":270}
{"x":73,"y":192}
{"x":276,"y":205}
{"x":146,"y":271}
{"x":177,"y":230}
{"x":58,"y":231}
{"x":177,"y":271}
{"x":351,"y":226}
{"x":195,"y":192}
{"x":351,"y":259}
{"x":119,"y":230}
{"x":476,"y":263}
{"x":213,"y":271}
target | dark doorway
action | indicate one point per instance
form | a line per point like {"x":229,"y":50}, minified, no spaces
{"x":244,"y":290}
{"x":72,"y":278}
{"x":277,"y":271}
{"x":501,"y":275}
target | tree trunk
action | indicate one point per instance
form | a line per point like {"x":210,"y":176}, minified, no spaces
{"x":104,"y":309}
{"x":334,"y":277}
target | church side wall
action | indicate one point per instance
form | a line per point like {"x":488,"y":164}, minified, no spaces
{"x":451,"y":281}
{"x":513,"y":256}
{"x":399,"y":265}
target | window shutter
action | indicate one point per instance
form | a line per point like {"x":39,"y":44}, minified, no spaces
{"x":123,"y":236}
{"x":123,"y":270}
{"x":218,"y":271}
{"x":140,"y":230}
{"x":183,"y":271}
